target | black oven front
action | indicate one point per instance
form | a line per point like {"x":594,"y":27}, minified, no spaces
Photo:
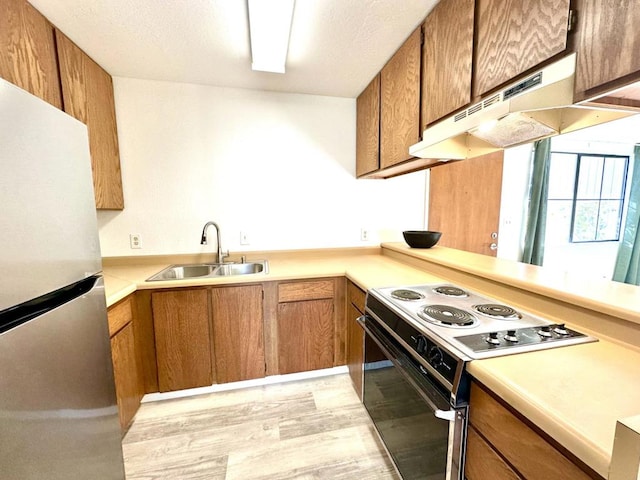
{"x":421,"y":429}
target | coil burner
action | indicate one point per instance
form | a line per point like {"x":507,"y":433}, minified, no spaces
{"x":450,"y":291}
{"x":405,"y":294}
{"x":494,"y":310}
{"x":447,"y":316}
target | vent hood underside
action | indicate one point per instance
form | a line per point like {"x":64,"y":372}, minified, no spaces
{"x":537,"y":107}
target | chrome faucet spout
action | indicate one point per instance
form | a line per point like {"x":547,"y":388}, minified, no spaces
{"x":203,"y":240}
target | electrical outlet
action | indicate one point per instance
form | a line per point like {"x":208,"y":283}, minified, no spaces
{"x":244,"y":238}
{"x":135,"y":240}
{"x":364,"y":235}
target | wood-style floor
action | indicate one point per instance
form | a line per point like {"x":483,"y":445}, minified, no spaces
{"x":309,"y":429}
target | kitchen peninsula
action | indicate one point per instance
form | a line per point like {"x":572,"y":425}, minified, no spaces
{"x":572,"y":394}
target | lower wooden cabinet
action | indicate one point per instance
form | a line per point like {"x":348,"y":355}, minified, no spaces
{"x":182,"y":337}
{"x":306,"y":325}
{"x":126,"y":368}
{"x":355,"y":335}
{"x":502,"y":445}
{"x":305,"y":335}
{"x":238,"y":333}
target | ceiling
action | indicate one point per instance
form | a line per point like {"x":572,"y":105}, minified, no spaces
{"x":336,"y":46}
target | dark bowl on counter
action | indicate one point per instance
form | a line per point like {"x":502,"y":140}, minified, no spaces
{"x":421,"y":238}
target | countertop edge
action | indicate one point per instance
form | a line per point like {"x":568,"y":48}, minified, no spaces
{"x":543,"y":281}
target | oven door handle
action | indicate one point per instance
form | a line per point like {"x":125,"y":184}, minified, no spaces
{"x":449,"y":415}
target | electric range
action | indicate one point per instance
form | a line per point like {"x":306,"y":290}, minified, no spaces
{"x":472,"y":326}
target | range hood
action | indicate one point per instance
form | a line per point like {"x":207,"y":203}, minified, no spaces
{"x":539,"y":106}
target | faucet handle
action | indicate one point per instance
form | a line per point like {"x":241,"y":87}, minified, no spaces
{"x":223,"y":255}
{"x":243,"y":259}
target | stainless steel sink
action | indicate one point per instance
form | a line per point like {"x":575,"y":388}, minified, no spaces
{"x":239,"y":269}
{"x":210,"y":270}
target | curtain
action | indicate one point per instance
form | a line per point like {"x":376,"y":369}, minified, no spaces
{"x":627,"y":267}
{"x":537,"y":217}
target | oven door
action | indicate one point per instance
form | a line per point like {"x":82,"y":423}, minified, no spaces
{"x":422,"y":432}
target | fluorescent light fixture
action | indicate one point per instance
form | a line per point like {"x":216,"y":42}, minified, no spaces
{"x":270,"y":27}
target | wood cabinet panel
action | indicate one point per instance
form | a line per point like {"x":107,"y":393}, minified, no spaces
{"x":119,"y":315}
{"x":482,"y":462}
{"x":514,"y":36}
{"x":356,"y":295}
{"x":183,"y":342}
{"x":447,"y":56}
{"x":368,"y":129}
{"x":608,"y":46}
{"x":146,"y":340}
{"x":238,"y":334}
{"x":400,"y":102}
{"x":355,"y":348}
{"x":126,"y":375}
{"x":88,"y":95}
{"x":313,"y":290}
{"x":305,"y":335}
{"x":525,"y":449}
{"x":27,"y":51}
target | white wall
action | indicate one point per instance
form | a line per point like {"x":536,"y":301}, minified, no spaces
{"x":277,"y":166}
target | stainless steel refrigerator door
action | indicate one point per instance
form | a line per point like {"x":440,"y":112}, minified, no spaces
{"x":47,"y":209}
{"x":58,"y":413}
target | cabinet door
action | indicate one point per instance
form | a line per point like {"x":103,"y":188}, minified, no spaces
{"x":400,"y":107}
{"x":515,"y":36}
{"x":183,"y":344}
{"x":238,"y":333}
{"x":28,"y":52}
{"x":125,"y":373}
{"x":355,"y":342}
{"x":608,"y":44}
{"x":368,"y":129}
{"x":305,"y":335}
{"x":447,"y":55}
{"x":88,"y":96}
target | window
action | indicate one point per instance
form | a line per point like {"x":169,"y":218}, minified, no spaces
{"x":586,"y":195}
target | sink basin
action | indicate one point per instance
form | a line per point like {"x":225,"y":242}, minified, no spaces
{"x":239,"y":269}
{"x":211,"y":270}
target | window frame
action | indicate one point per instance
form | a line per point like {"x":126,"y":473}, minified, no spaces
{"x":574,"y":199}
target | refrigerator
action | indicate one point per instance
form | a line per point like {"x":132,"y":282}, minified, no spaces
{"x":58,"y":412}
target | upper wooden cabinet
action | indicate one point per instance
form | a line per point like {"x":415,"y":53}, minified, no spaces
{"x":447,"y":56}
{"x":514,"y":36}
{"x":400,"y":102}
{"x":238,"y":333}
{"x":368,"y":129}
{"x":28,"y":52}
{"x":88,"y":95}
{"x":608,"y":46}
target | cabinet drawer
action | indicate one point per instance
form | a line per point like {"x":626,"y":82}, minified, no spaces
{"x":540,"y":460}
{"x":119,"y":315}
{"x":355,"y":296}
{"x":314,"y":290}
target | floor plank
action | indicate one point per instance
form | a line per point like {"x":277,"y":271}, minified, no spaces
{"x":309,"y":429}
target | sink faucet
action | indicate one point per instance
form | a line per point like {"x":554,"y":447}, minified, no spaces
{"x":203,"y":241}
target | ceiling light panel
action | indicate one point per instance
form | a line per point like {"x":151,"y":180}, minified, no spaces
{"x":270,"y":28}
